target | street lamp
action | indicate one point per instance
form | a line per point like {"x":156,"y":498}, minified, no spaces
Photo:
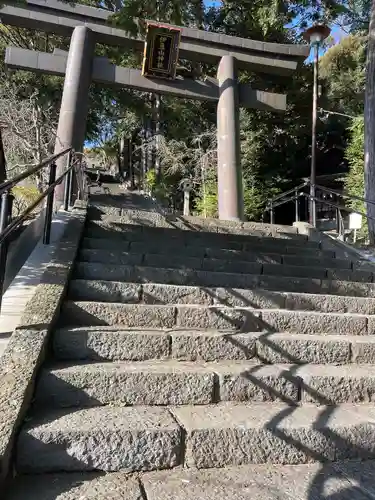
{"x":315,"y":36}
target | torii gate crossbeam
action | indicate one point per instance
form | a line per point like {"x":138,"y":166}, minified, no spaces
{"x":88,"y":26}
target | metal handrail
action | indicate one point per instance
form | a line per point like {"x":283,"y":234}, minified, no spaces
{"x":286,"y":193}
{"x":271,"y":202}
{"x":339,"y":207}
{"x":32,"y":171}
{"x":290,"y":198}
{"x":344,"y":195}
{"x":286,"y":198}
{"x":21,"y":218}
{"x":8,"y":226}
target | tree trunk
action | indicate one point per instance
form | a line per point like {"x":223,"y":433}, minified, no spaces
{"x":370,"y":125}
{"x":3,"y":164}
{"x":38,"y":138}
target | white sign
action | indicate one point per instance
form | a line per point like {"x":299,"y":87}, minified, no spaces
{"x":355,"y":221}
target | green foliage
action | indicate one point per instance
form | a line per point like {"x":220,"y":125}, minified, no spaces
{"x":342,"y":71}
{"x":355,"y":180}
{"x":256,"y":195}
{"x":206,"y":201}
{"x":161,"y":190}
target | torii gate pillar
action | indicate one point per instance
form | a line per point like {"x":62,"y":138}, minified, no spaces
{"x":229,"y":172}
{"x":71,"y":129}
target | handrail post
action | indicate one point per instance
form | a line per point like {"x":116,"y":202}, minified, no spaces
{"x":296,"y":202}
{"x":49,"y":206}
{"x":338,"y":225}
{"x":272,"y":213}
{"x":82,"y":181}
{"x":66,"y":191}
{"x":341,"y":236}
{"x":70,"y":182}
{"x":67,"y":182}
{"x":6,"y":206}
{"x":312,"y":205}
{"x":10,"y":207}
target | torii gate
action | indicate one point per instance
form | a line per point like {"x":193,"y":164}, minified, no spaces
{"x":89,"y":25}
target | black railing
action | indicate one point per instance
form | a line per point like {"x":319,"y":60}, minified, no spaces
{"x":296,"y":193}
{"x":8,"y":225}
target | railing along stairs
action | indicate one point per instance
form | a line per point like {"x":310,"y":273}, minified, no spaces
{"x":318,"y":194}
{"x":8,"y":225}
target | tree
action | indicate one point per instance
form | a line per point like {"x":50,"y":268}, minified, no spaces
{"x":342,"y":73}
{"x":355,"y":181}
{"x":370,"y":125}
{"x":29,"y":128}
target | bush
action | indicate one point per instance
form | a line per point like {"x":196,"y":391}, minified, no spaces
{"x":355,"y":180}
{"x":256,"y":196}
{"x":206,"y":203}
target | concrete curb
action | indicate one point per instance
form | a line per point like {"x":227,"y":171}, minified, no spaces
{"x":26,"y":349}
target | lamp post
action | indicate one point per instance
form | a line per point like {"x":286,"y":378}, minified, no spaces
{"x":315,"y":36}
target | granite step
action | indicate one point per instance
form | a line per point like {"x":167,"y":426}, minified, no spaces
{"x":226,"y":264}
{"x":164,"y":246}
{"x":310,"y":349}
{"x":187,"y":276}
{"x":194,"y":223}
{"x":276,"y":433}
{"x":149,"y":438}
{"x":123,"y":232}
{"x":116,"y":291}
{"x":350,"y":480}
{"x":115,"y":343}
{"x":347,"y":480}
{"x":162,"y":383}
{"x":125,"y":229}
{"x":100,"y":438}
{"x":76,"y":486}
{"x":80,"y":313}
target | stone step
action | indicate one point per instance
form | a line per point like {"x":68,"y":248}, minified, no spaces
{"x":110,"y":343}
{"x":164,"y":246}
{"x":194,"y":223}
{"x":188,"y":276}
{"x":79,"y":313}
{"x":183,"y":277}
{"x":275,"y":433}
{"x":199,"y":231}
{"x":76,"y":486}
{"x":162,"y":383}
{"x":101,"y":438}
{"x":176,"y":383}
{"x":148,"y":438}
{"x":325,"y":384}
{"x":226,"y":264}
{"x":347,"y":480}
{"x":115,"y":291}
{"x":113,"y":343}
{"x":314,"y":349}
{"x":123,"y":232}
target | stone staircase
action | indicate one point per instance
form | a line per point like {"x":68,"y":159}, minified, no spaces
{"x":242,"y":356}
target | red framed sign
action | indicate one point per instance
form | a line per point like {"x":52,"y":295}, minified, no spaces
{"x":161,"y":51}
